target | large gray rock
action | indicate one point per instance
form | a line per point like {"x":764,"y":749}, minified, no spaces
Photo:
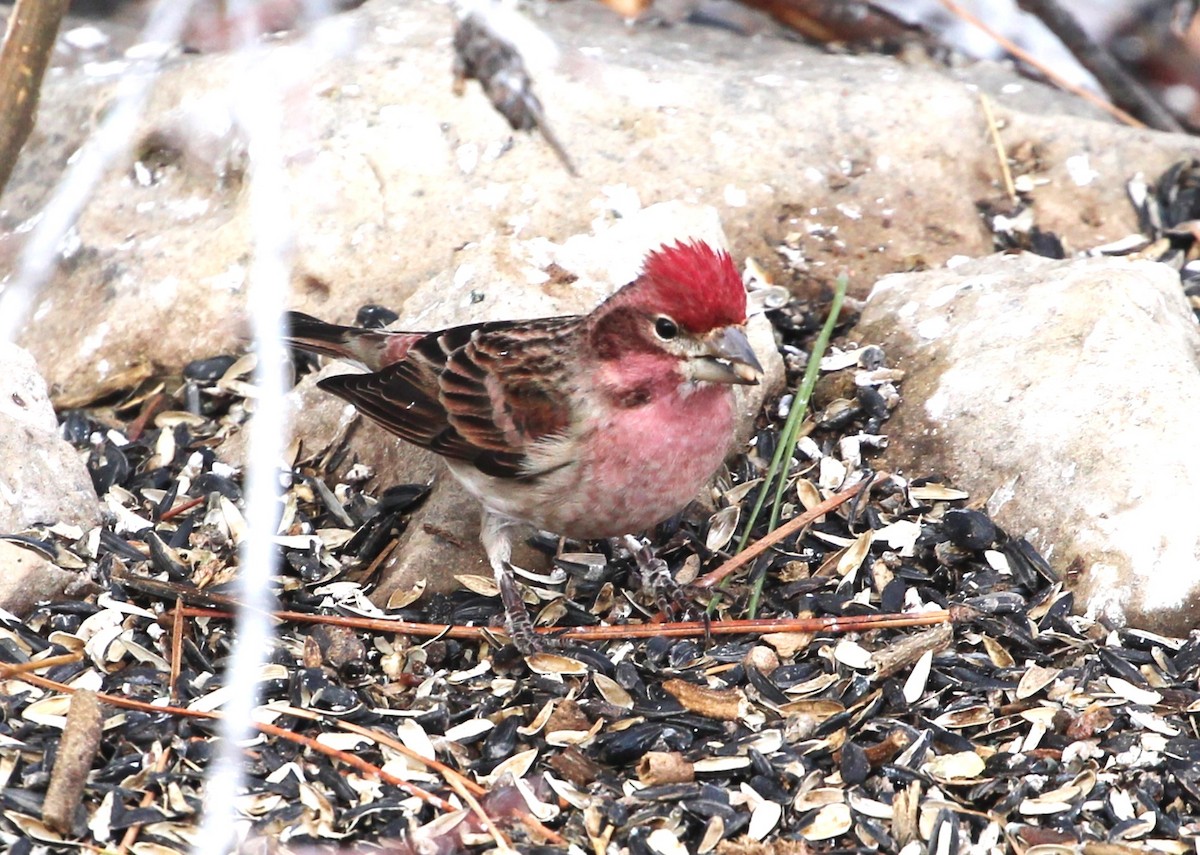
{"x":26,"y":579}
{"x":42,"y":481}
{"x":1065,"y":393}
{"x":849,"y":162}
{"x":42,"y":478}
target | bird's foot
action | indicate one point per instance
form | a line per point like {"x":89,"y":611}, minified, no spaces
{"x":496,"y":532}
{"x":670,"y":597}
{"x":516,"y":617}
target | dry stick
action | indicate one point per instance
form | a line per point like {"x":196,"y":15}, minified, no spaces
{"x":291,"y":736}
{"x":503,"y":844}
{"x":131,"y":833}
{"x":692,"y":628}
{"x":399,"y":747}
{"x":176,"y":651}
{"x":32,"y":30}
{"x":1123,"y":89}
{"x":528,"y":820}
{"x":903,"y":652}
{"x":465,"y":788}
{"x":73,"y":762}
{"x":270,"y":729}
{"x":1001,"y":154}
{"x":149,"y":410}
{"x":853,"y":623}
{"x":164,"y":590}
{"x":453,"y":777}
{"x":180,"y":508}
{"x":384,"y":555}
{"x":784,"y":531}
{"x":39,"y":664}
{"x":1026,"y":57}
{"x":698,"y":628}
{"x":355,"y":761}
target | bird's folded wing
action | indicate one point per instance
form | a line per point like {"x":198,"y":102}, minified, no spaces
{"x":483,"y":394}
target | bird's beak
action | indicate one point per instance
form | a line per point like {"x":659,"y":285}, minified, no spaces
{"x":727,"y":358}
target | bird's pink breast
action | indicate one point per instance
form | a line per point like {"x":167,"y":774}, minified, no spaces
{"x":644,"y":464}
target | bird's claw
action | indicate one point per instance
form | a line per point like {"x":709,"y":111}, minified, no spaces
{"x":516,"y":618}
{"x":670,"y":597}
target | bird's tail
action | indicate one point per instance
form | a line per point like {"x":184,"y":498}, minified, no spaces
{"x":372,"y":348}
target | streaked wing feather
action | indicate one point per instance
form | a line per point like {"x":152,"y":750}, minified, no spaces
{"x":496,"y":392}
{"x":390,"y":398}
{"x":474,"y":393}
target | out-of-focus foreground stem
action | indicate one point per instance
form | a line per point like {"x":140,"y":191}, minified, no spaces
{"x":28,"y":43}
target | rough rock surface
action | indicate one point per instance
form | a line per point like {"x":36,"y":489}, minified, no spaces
{"x":26,"y":579}
{"x":1066,"y":394}
{"x":442,"y":538}
{"x":815,"y":163}
{"x":848,"y":162}
{"x":42,"y":479}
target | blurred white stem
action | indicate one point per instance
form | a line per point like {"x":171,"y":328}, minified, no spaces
{"x":258,"y":110}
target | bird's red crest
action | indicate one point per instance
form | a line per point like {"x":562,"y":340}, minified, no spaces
{"x":697,"y":286}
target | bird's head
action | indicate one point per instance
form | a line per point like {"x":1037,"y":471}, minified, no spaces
{"x":684,"y":315}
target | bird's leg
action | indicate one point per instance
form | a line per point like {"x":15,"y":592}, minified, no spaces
{"x":669,"y":595}
{"x":496,"y":533}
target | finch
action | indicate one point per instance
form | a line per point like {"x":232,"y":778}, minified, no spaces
{"x":586,"y":426}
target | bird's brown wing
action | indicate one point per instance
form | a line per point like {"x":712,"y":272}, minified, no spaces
{"x":482,"y":393}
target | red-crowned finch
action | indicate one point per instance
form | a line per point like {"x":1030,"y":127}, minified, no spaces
{"x":586,"y":426}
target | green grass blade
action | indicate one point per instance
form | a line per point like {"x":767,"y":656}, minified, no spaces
{"x":777,"y":472}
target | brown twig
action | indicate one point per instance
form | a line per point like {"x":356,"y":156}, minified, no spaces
{"x":32,"y":30}
{"x":176,"y":651}
{"x":270,"y":729}
{"x":503,"y":844}
{"x":291,"y":736}
{"x":465,"y":787}
{"x":357,"y":762}
{"x":461,"y":784}
{"x":1026,"y":57}
{"x":131,"y":834}
{"x":149,"y":410}
{"x":167,"y":590}
{"x":183,"y":506}
{"x":400,"y":748}
{"x":854,"y":623}
{"x":1001,"y":154}
{"x":368,"y":573}
{"x":76,"y":752}
{"x":699,"y":628}
{"x":1123,"y":89}
{"x":905,"y":651}
{"x":39,"y":664}
{"x":784,"y":531}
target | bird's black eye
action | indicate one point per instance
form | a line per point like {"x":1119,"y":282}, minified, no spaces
{"x":666,"y":328}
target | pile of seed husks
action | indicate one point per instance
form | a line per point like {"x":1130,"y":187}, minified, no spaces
{"x":1017,"y":727}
